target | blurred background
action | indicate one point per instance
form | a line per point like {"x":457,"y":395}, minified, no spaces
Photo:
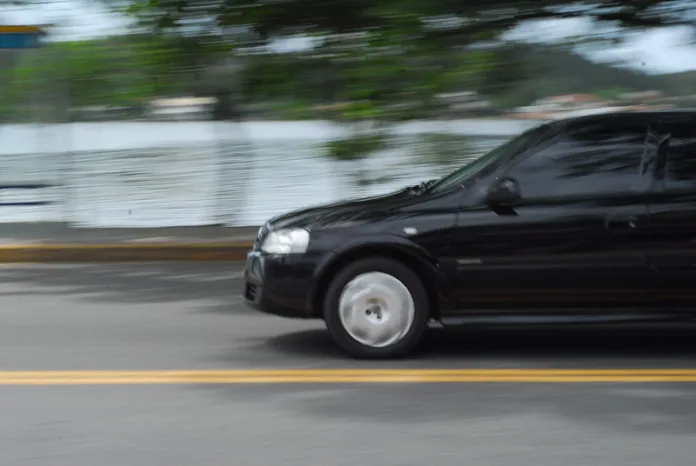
{"x":155,"y":113}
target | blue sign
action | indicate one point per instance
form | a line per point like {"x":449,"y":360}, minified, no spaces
{"x":20,"y":37}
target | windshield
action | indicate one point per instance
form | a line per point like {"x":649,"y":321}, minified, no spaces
{"x":503,"y":152}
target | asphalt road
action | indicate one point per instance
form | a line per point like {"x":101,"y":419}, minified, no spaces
{"x":171,"y":317}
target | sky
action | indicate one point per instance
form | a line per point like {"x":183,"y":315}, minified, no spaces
{"x":80,"y":19}
{"x":666,"y":50}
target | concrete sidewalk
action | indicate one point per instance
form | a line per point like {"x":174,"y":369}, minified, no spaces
{"x":58,"y":242}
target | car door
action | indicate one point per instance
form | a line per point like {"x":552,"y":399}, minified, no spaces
{"x":575,"y":239}
{"x":672,"y":209}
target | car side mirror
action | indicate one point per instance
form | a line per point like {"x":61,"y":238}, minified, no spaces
{"x":503,"y":192}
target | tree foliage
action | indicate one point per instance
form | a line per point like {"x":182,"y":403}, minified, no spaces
{"x":454,"y":20}
{"x":378,"y":61}
{"x":378,"y":56}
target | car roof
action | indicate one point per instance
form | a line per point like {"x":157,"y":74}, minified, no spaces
{"x":607,"y":117}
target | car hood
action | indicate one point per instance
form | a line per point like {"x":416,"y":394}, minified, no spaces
{"x":346,"y":213}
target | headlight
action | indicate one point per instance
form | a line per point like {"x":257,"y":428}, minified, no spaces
{"x":290,"y":241}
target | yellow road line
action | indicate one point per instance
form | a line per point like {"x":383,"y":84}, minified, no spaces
{"x":345,"y":376}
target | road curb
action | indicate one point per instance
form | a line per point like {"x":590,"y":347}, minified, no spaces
{"x":70,"y":253}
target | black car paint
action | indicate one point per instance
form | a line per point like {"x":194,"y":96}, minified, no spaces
{"x":584,"y":260}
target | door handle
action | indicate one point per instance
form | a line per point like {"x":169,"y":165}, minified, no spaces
{"x":620,"y":223}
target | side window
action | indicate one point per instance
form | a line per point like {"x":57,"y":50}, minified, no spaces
{"x":680,"y":170}
{"x":594,"y":161}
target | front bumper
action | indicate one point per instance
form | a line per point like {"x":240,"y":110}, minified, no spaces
{"x":280,"y":284}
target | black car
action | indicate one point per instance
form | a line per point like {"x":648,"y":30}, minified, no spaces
{"x":583,"y":220}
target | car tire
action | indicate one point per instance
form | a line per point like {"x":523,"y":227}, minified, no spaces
{"x":395,"y":314}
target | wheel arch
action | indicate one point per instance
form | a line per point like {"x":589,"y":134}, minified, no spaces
{"x":409,"y":254}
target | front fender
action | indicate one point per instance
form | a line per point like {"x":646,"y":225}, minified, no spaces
{"x":386,"y":240}
{"x":385,"y":245}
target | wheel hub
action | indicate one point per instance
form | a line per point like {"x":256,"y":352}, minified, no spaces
{"x":374,"y":314}
{"x":376,"y":309}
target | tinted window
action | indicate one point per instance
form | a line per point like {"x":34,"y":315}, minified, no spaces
{"x":601,"y":160}
{"x":501,"y":153}
{"x":680,"y":171}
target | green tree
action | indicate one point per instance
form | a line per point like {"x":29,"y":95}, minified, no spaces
{"x":387,"y":61}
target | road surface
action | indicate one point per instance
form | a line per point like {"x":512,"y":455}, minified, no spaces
{"x":188,"y":317}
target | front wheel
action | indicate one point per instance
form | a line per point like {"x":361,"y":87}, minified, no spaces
{"x":376,"y":308}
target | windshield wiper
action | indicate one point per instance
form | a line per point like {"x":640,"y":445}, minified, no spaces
{"x":422,"y":187}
